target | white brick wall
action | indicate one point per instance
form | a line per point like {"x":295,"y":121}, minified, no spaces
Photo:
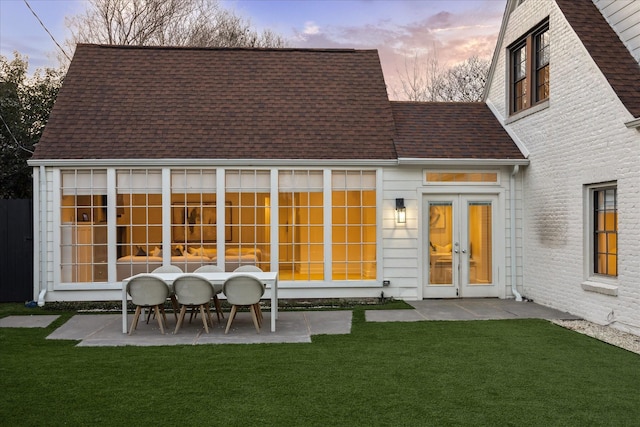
{"x":579,"y":139}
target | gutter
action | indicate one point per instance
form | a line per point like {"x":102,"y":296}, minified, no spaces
{"x":633,"y":124}
{"x":460,"y":162}
{"x":512,"y":208}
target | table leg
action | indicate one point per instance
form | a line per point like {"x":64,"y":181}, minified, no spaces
{"x":124,"y":309}
{"x":274,"y":306}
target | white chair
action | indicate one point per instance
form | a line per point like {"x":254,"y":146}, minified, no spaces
{"x":170,"y":269}
{"x":216,"y":288}
{"x":149,"y":292}
{"x":243,"y":290}
{"x":194,"y":291}
{"x":249,"y":269}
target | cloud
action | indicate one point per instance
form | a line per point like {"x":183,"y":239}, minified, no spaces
{"x":311,"y":28}
{"x":452,"y":36}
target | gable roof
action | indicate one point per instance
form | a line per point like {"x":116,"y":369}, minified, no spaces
{"x":124,"y":102}
{"x":451,"y":130}
{"x":607,"y":50}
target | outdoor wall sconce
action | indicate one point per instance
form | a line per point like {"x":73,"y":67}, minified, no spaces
{"x":401,"y":212}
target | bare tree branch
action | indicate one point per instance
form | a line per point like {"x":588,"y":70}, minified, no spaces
{"x":200,"y":23}
{"x":426,"y":81}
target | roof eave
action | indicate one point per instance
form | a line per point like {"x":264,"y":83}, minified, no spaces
{"x":511,"y":4}
{"x":402,"y":161}
{"x":209,"y":162}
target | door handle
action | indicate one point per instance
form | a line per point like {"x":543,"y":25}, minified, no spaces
{"x":464,"y":251}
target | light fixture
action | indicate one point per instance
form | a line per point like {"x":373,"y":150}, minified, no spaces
{"x":401,"y":212}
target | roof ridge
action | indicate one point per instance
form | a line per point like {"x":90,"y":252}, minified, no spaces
{"x":439,"y":102}
{"x":230,"y":49}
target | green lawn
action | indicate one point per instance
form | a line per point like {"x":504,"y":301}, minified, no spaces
{"x":507,"y":372}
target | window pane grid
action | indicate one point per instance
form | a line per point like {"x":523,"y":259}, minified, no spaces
{"x":605,"y":231}
{"x":529,"y":59}
{"x":353,"y":237}
{"x":300,"y":227}
{"x":83,"y":237}
{"x":542,"y":65}
{"x":193,"y":218}
{"x":193,"y":222}
{"x":247,"y":218}
{"x":519,"y":58}
{"x":139,"y":221}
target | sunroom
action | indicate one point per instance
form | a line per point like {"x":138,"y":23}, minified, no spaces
{"x":313,"y":226}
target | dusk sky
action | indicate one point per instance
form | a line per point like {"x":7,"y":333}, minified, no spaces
{"x":399,"y":30}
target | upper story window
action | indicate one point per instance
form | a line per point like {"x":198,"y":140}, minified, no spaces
{"x":529,"y":69}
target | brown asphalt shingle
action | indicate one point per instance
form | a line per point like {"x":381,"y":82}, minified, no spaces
{"x":607,"y":50}
{"x":456,"y":130}
{"x":169,"y":103}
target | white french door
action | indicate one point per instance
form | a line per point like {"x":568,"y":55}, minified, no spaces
{"x":460,"y":250}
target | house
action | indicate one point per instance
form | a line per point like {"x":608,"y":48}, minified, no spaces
{"x":565,"y":84}
{"x":290,"y":159}
{"x":296,"y":161}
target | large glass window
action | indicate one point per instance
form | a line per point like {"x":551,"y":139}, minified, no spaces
{"x":248,"y":219}
{"x":191,"y":225}
{"x":529,"y":69}
{"x":605,"y":231}
{"x":83,"y":233}
{"x":139,"y":221}
{"x":353,"y":212}
{"x":193,"y":218}
{"x":300,"y":227}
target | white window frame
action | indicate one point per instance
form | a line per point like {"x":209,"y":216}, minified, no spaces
{"x":465,"y":183}
{"x":599,"y":283}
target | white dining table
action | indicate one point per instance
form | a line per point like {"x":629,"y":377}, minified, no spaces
{"x":217,"y":279}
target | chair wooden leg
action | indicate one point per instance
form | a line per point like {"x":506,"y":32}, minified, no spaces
{"x":204,"y":318}
{"x":218,"y":306}
{"x":259,"y":313}
{"x":180,"y":318}
{"x":159,"y":317}
{"x":164,"y":315}
{"x":254,"y":315}
{"x":134,"y":324}
{"x":207,"y":309}
{"x":175,"y":305}
{"x":231,"y":316}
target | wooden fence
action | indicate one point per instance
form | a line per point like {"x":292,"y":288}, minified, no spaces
{"x":16,"y":250}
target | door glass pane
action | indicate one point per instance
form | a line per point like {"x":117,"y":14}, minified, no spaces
{"x":480,"y":249}
{"x":440,"y":243}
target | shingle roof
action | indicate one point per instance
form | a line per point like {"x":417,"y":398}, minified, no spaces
{"x":168,"y":103}
{"x":455,"y":130}
{"x":607,"y":50}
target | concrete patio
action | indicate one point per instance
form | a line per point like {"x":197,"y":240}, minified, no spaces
{"x":93,"y":330}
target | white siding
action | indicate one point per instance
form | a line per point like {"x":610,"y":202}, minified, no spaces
{"x":402,"y":262}
{"x":400,"y":241}
{"x":573,"y":142}
{"x":624,"y":18}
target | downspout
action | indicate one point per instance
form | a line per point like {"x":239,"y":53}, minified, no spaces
{"x":512,"y":207}
{"x":42,"y":233}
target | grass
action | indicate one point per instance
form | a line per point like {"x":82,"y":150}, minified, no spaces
{"x":507,"y":372}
